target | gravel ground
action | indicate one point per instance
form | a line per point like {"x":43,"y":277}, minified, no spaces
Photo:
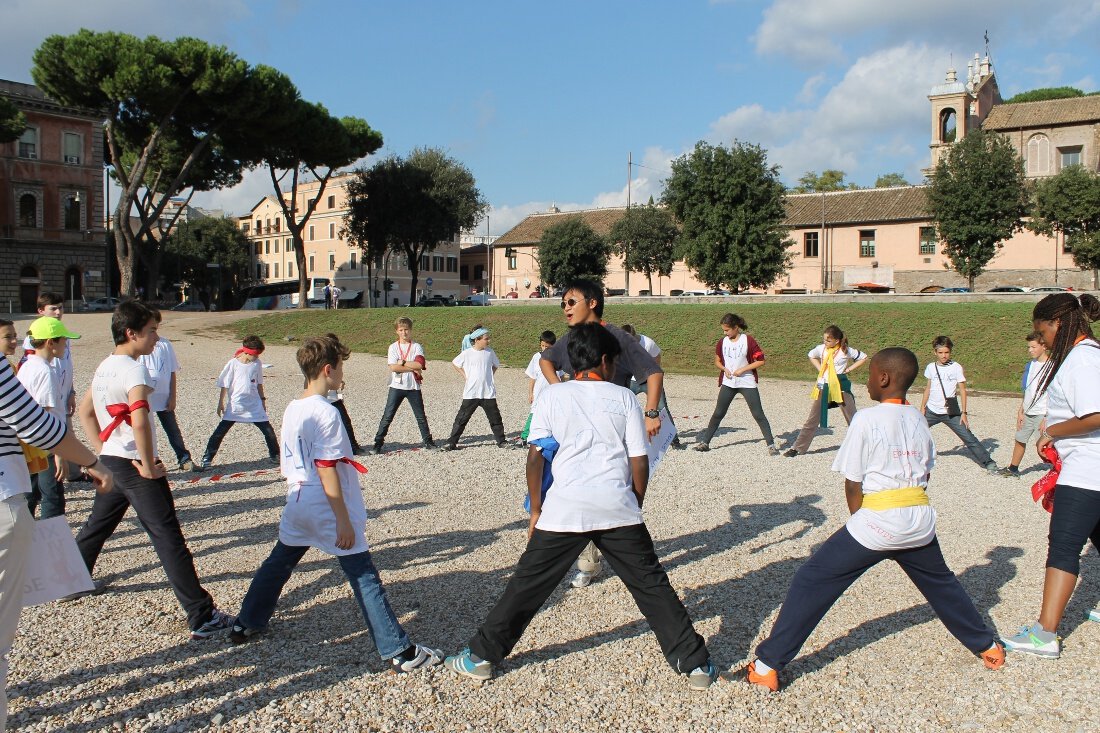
{"x":731,"y":526}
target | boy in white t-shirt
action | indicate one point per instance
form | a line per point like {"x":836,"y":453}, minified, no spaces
{"x":162,"y":365}
{"x":324,"y":509}
{"x":39,"y":375}
{"x":116,"y":418}
{"x":53,"y":306}
{"x":242,"y":399}
{"x":407,"y":365}
{"x":1032,"y":414}
{"x":946,"y":379}
{"x":886,"y":459}
{"x":538,"y":379}
{"x":477,"y":365}
{"x":601,"y":471}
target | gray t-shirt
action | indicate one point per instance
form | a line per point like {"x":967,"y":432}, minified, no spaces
{"x":634,"y":361}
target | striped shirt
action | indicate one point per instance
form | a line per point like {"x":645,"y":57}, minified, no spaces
{"x":21,"y":418}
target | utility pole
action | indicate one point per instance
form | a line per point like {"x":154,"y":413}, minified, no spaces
{"x":626,"y":246}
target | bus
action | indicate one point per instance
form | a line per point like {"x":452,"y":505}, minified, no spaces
{"x":281,"y":295}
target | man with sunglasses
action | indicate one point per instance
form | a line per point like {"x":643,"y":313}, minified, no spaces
{"x":582,"y":302}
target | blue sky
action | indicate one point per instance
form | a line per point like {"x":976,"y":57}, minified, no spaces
{"x":544,"y":101}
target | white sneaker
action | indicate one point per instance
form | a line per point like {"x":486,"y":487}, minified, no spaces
{"x":583,"y":579}
{"x":1094,"y":614}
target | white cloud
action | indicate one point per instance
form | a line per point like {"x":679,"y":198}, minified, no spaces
{"x":808,"y":93}
{"x":240,"y":199}
{"x":26,"y":23}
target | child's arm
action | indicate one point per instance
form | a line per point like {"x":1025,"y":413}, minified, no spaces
{"x":718,"y":362}
{"x":263,"y":397}
{"x":852,"y":367}
{"x":531,"y":392}
{"x":171,"y":407}
{"x":924,"y":398}
{"x":147,"y":465}
{"x":535,"y":464}
{"x":86,"y":413}
{"x":853,"y":492}
{"x":961,"y":389}
{"x":639,"y":471}
{"x":221,"y":402}
{"x":460,"y":370}
{"x":816,"y":363}
{"x":1020,"y":416}
{"x":748,"y":368}
{"x":330,"y":481}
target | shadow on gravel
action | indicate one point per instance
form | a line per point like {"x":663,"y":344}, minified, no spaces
{"x":982,"y":582}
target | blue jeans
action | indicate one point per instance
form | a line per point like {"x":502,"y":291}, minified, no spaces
{"x":216,"y":439}
{"x":259,"y":603}
{"x":47,"y":492}
{"x":981,"y":455}
{"x":175,"y":437}
{"x":393,"y":401}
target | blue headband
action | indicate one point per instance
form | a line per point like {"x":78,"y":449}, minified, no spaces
{"x":478,"y":334}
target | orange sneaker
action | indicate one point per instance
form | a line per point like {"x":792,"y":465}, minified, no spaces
{"x":994,"y":656}
{"x":770,"y":680}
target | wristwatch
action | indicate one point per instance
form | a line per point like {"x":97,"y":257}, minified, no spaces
{"x":652,"y":413}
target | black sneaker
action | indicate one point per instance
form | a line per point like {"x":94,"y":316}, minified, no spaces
{"x":375,"y":450}
{"x":1010,"y":472}
{"x":430,"y":445}
{"x":447,"y":447}
{"x":219,"y":621}
{"x":791,"y":453}
{"x":240,"y":633}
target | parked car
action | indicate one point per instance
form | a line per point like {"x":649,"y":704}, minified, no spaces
{"x":1049,"y":289}
{"x":472,"y":300}
{"x":1007,"y":289}
{"x":953,"y":290}
{"x":189,"y":305}
{"x":100,"y":305}
{"x":435,"y":301}
{"x":851,"y":291}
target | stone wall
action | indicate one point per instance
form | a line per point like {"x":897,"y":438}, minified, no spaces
{"x":52,"y":260}
{"x":913,"y":281}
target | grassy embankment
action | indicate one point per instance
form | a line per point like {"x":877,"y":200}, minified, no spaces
{"x":989,"y":337}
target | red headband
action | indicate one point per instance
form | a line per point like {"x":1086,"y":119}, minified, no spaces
{"x":246,"y":350}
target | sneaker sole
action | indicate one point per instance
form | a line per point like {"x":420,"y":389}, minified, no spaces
{"x":1033,"y":652}
{"x":462,"y":672}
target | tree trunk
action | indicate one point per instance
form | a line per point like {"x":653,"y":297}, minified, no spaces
{"x":1095,"y":278}
{"x":649,"y":277}
{"x":300,"y":260}
{"x":124,"y":254}
{"x":970,"y":282}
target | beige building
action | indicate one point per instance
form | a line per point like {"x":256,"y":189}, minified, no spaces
{"x":329,"y":255}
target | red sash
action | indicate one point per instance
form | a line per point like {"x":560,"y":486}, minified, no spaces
{"x":121,"y":413}
{"x":323,"y":463}
{"x":246,"y":350}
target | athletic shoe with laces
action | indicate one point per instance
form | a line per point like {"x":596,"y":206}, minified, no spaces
{"x":219,"y":621}
{"x":992,"y":468}
{"x":1035,"y":640}
{"x":448,"y":447}
{"x":701,"y":447}
{"x":187,"y":465}
{"x":464,"y":664}
{"x":791,"y":453}
{"x":1009,"y":472}
{"x":774,"y":449}
{"x":240,"y":633}
{"x":1094,"y":614}
{"x":415,"y":657}
{"x":701,"y":678}
{"x":768,"y":680}
{"x":994,"y":656}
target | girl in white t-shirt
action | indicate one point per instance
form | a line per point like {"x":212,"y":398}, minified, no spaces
{"x":946,"y":379}
{"x":1072,"y":385}
{"x":833,"y":359}
{"x":242,"y":399}
{"x":324,"y":509}
{"x":477,"y":365}
{"x":737,"y":356}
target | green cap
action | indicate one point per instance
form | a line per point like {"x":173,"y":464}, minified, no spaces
{"x":46,"y":328}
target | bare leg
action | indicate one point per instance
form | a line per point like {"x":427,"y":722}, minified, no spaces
{"x":1057,"y":588}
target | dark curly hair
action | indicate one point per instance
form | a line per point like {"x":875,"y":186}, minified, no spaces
{"x":1074,"y":314}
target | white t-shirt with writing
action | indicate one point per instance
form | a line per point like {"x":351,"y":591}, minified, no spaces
{"x":841,"y":359}
{"x":534,"y":371}
{"x":599,"y":426}
{"x":1075,"y":392}
{"x":478,"y":365}
{"x":951,"y":373}
{"x":889,"y":446}
{"x":62,"y":366}
{"x":162,"y":364}
{"x":242,"y":397}
{"x":649,"y":345}
{"x":40,"y":379}
{"x":114,"y":378}
{"x":403,"y":352}
{"x":1034,"y":375}
{"x":734,"y":356}
{"x":312,"y":430}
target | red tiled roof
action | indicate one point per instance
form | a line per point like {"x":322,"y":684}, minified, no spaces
{"x":529,"y":231}
{"x":901,"y":203}
{"x":1048,"y":113}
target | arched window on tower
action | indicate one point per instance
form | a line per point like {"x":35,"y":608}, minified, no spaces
{"x":1038,"y":155}
{"x":948,"y":126}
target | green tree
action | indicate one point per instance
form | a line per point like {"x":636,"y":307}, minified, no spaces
{"x":890,"y":179}
{"x":647,"y":238}
{"x":193,"y":247}
{"x":572,"y":250}
{"x":977,"y":200}
{"x":410,"y":205}
{"x":12,"y":121}
{"x":311,"y":141}
{"x":829,"y":180}
{"x":729,"y":202}
{"x":1069,"y":204}
{"x":178,"y":115}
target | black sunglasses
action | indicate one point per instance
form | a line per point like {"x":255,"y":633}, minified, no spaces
{"x":570,"y":303}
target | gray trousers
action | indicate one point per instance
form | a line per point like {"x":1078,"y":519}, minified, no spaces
{"x":981,"y":455}
{"x":813,"y":422}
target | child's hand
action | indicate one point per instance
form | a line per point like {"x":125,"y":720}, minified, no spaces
{"x":1019,"y":420}
{"x":534,"y":520}
{"x":729,"y":374}
{"x":150,"y":472}
{"x":221,"y":409}
{"x":345,"y":536}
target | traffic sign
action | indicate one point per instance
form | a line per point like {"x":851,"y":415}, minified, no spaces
{"x":429,"y":282}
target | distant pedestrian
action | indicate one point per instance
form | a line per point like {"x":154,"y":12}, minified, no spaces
{"x":326,"y":295}
{"x":940,"y":404}
{"x":241,"y":399}
{"x":1032,"y":414}
{"x":336,"y":290}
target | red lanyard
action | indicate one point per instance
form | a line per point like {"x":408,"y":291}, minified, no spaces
{"x":405,"y":356}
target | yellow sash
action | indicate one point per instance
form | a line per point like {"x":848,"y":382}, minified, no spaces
{"x":828,"y":371}
{"x":895,"y":499}
{"x":37,"y":459}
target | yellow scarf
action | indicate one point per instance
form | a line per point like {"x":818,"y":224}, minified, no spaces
{"x":880,"y":501}
{"x":828,"y":371}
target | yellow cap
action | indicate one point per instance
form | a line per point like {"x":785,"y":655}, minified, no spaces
{"x":45,"y":328}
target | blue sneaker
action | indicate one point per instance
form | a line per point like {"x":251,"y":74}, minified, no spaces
{"x":1035,"y":640}
{"x":701,"y":678}
{"x":1094,"y":614}
{"x":465,"y":665}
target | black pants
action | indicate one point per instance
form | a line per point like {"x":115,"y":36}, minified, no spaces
{"x":466,"y":411}
{"x":346,"y":419}
{"x":1074,"y":521}
{"x":838,"y":563}
{"x":152,"y":502}
{"x":416,"y":402}
{"x":220,"y":432}
{"x":725,"y":397}
{"x":550,"y":555}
